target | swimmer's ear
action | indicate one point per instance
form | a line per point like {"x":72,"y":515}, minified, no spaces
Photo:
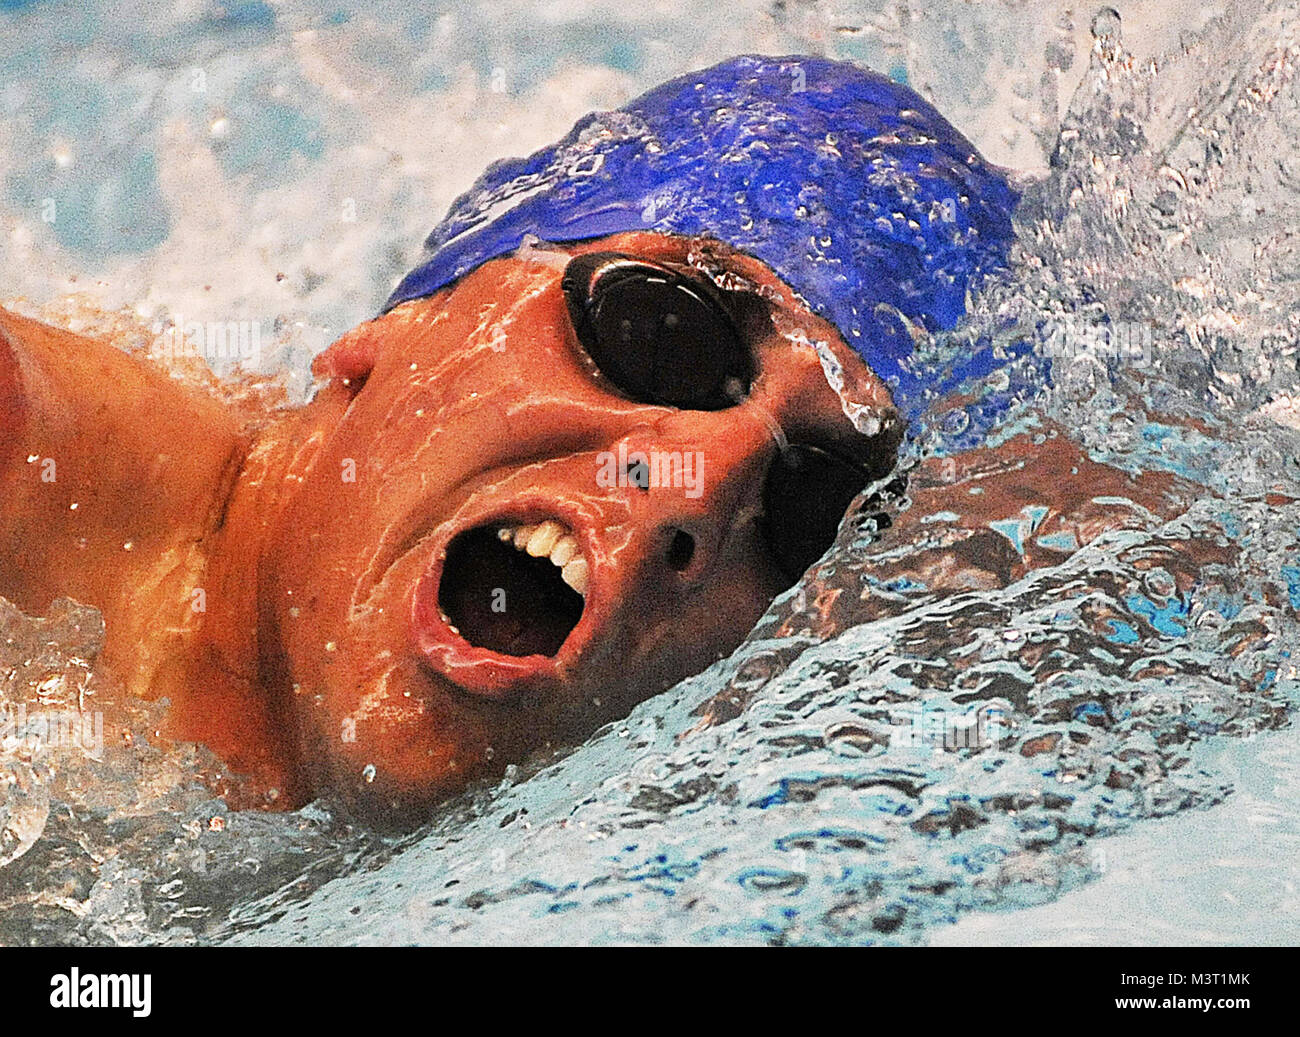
{"x":349,"y":361}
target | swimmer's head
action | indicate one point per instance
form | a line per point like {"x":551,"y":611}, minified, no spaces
{"x":853,"y":189}
{"x":592,"y":436}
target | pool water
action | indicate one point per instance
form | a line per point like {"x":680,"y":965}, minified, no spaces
{"x":280,"y":162}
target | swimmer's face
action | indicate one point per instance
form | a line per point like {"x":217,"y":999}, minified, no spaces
{"x":499,"y":542}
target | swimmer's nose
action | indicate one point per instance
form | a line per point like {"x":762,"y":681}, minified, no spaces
{"x":691,"y":497}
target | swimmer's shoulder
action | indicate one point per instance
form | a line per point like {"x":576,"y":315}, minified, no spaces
{"x":14,"y":405}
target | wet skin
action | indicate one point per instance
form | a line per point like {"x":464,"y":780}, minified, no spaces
{"x":320,"y":659}
{"x":318,"y":535}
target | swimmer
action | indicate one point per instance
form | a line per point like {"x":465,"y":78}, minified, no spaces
{"x":586,"y":443}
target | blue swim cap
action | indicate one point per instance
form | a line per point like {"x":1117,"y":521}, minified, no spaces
{"x":857,"y":192}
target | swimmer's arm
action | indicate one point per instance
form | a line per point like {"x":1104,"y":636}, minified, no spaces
{"x":985,"y":518}
{"x":980,"y":521}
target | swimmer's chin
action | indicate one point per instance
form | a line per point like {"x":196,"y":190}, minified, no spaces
{"x":415,"y":740}
{"x":391,"y":748}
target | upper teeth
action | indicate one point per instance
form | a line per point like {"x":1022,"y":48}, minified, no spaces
{"x":553,"y":540}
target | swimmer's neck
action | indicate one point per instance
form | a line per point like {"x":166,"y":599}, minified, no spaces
{"x":131,"y":491}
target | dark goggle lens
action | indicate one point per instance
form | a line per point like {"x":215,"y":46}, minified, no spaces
{"x":805,"y":495}
{"x":659,"y":336}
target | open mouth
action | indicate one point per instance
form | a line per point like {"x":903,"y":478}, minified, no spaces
{"x":516,"y":590}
